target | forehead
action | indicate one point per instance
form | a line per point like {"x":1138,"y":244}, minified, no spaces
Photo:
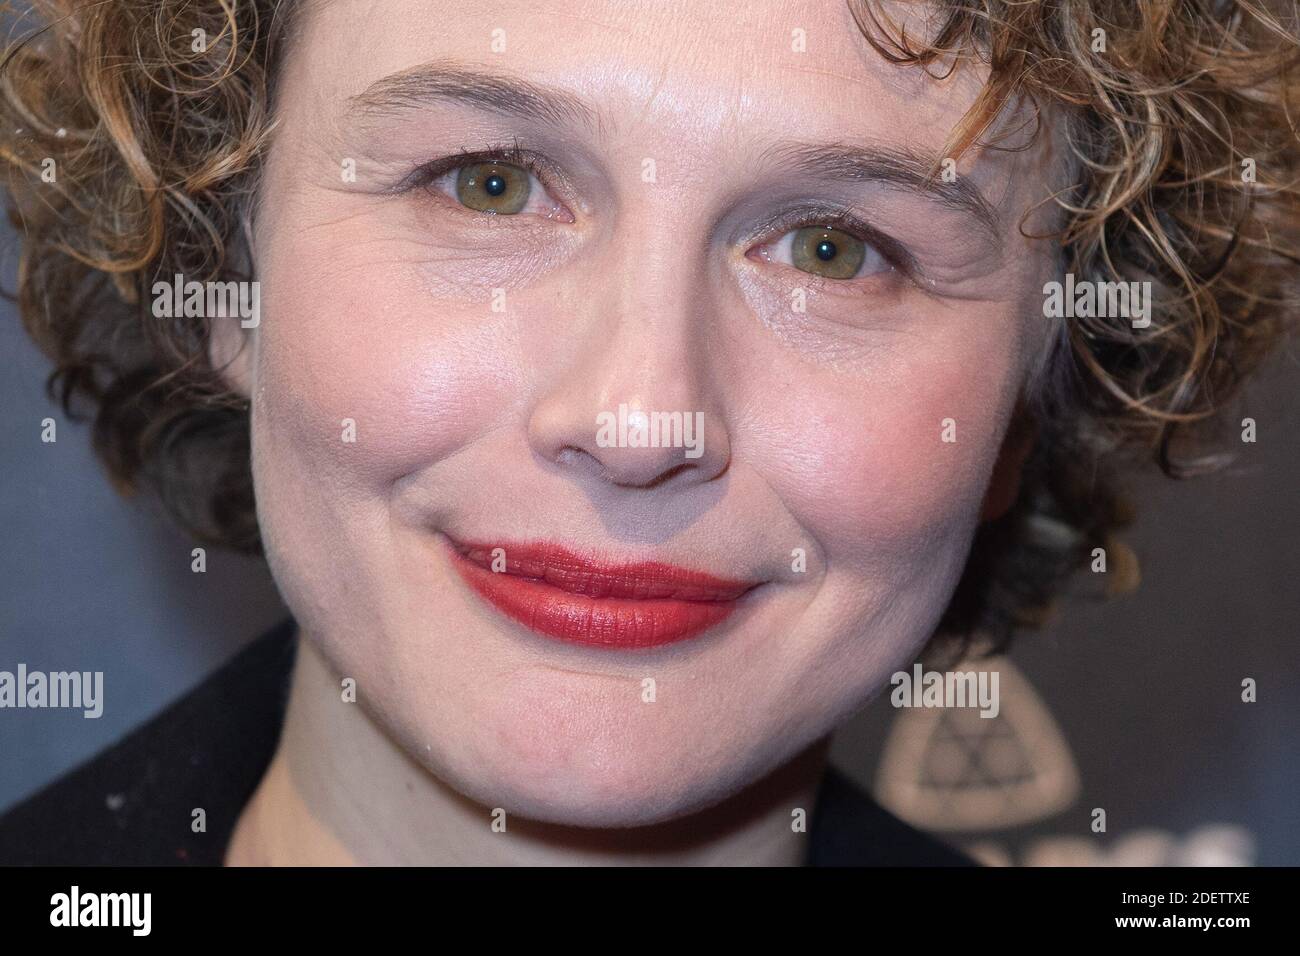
{"x":720,"y":69}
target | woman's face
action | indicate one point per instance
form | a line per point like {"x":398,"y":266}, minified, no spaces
{"x":667,"y":251}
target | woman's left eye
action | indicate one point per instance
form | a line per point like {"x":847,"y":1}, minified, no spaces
{"x":826,"y":252}
{"x":499,"y":189}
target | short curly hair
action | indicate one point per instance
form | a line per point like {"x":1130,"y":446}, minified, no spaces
{"x":1178,"y":122}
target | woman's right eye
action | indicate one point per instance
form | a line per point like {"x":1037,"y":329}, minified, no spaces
{"x":499,"y":189}
{"x":494,"y":187}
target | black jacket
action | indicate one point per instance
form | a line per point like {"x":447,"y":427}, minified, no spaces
{"x":132,"y":803}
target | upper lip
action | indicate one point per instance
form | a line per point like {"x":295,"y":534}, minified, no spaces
{"x":570,"y":571}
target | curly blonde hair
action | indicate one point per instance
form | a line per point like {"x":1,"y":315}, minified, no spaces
{"x":1177,"y":113}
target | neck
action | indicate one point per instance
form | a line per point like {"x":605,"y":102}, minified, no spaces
{"x":339,"y":791}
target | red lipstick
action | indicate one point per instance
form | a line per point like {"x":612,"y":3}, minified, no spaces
{"x":556,"y":592}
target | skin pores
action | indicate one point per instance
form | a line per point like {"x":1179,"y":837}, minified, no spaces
{"x":472,"y":354}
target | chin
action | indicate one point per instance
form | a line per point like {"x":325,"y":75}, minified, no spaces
{"x":579,"y":751}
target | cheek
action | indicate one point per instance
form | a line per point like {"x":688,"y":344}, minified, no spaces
{"x":351,"y":335}
{"x":864,"y":463}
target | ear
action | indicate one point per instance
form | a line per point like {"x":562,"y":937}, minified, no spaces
{"x":230,"y":350}
{"x":1004,"y":485}
{"x":232,"y":345}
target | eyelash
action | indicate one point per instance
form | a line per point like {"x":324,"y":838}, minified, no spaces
{"x":514,"y":154}
{"x":771,"y":229}
{"x":835,"y":217}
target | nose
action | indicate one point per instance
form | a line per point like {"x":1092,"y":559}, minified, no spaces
{"x":633,"y":404}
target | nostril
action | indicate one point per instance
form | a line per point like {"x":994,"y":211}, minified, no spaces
{"x":614,"y":478}
{"x":571,"y":456}
{"x":623,"y":468}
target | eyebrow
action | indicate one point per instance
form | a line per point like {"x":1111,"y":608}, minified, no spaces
{"x":900,"y":166}
{"x":496,"y":92}
{"x":442,"y":81}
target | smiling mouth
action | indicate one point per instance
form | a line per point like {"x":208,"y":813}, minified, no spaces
{"x":561,"y":594}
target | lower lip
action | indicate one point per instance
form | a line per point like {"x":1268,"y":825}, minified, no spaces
{"x":561,"y":595}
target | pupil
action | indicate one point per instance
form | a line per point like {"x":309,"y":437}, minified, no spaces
{"x":494,"y":184}
{"x":826,"y":250}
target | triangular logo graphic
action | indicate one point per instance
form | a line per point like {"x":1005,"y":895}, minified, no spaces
{"x":948,"y":768}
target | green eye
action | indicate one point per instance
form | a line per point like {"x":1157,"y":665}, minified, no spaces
{"x":493,"y":187}
{"x":827,"y":252}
